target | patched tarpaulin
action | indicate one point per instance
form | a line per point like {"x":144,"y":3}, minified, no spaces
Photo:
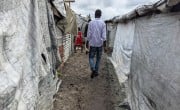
{"x":59,"y":4}
{"x":146,"y":53}
{"x":154,"y":77}
{"x":71,"y":27}
{"x":27,"y":81}
{"x":161,"y":6}
{"x":172,"y":2}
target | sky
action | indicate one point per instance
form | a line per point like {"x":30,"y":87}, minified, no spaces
{"x":109,"y":8}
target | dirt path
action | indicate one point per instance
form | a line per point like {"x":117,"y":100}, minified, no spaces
{"x":78,"y":91}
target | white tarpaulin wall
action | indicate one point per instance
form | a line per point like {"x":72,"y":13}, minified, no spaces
{"x":111,"y":31}
{"x":26,"y":72}
{"x":146,"y":50}
{"x":59,"y":4}
{"x":154,"y":77}
{"x":121,"y":56}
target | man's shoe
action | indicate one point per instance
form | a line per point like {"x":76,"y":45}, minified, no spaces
{"x":96,"y":74}
{"x":92,"y":75}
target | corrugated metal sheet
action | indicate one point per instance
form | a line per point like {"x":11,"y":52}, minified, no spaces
{"x":65,"y":49}
{"x":67,"y":43}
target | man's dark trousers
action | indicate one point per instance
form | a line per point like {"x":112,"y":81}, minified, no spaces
{"x":94,"y":64}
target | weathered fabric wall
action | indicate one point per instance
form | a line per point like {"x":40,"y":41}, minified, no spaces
{"x":121,"y":56}
{"x":71,"y":27}
{"x":82,"y":22}
{"x":111,"y":33}
{"x":27,"y":81}
{"x":154,"y":77}
{"x":146,"y":59}
{"x":151,"y":64}
{"x":59,"y":4}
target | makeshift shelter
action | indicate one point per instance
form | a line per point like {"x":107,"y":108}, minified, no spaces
{"x":146,"y":55}
{"x":29,"y":52}
{"x":66,"y":28}
{"x":82,"y":22}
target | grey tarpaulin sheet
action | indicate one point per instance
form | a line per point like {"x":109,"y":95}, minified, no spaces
{"x":82,"y":22}
{"x":111,"y":32}
{"x":121,"y":56}
{"x":27,"y":81}
{"x":71,"y":26}
{"x":154,"y":80}
{"x":148,"y":54}
{"x":162,"y":6}
{"x":172,"y":2}
{"x":59,"y":4}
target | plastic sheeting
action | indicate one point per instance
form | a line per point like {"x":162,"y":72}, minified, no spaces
{"x":146,"y":59}
{"x":59,"y":4}
{"x":172,"y":2}
{"x":82,"y":22}
{"x":154,"y":80}
{"x":147,"y":52}
{"x":151,"y":64}
{"x":71,"y":26}
{"x":121,"y":56}
{"x":27,"y":81}
{"x":111,"y":31}
{"x":161,"y":6}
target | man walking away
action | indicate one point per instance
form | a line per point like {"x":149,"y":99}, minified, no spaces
{"x":96,"y":38}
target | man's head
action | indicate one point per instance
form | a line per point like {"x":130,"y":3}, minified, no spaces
{"x":98,"y":13}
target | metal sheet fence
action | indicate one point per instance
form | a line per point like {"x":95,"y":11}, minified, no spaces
{"x":65,"y":44}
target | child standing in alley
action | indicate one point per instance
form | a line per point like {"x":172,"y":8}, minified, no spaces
{"x":78,"y":41}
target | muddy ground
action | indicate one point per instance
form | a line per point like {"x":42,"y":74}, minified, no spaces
{"x":79,"y":92}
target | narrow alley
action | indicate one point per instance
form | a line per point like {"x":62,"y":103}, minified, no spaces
{"x":79,"y":92}
{"x":138,"y":42}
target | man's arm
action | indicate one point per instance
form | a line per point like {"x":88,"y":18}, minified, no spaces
{"x":87,"y":44}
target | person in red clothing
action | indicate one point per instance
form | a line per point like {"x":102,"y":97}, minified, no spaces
{"x":78,"y":41}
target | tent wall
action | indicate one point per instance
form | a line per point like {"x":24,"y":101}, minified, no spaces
{"x":160,"y":6}
{"x":71,"y":26}
{"x":111,"y":31}
{"x":154,"y":77}
{"x":27,"y":79}
{"x":66,"y":29}
{"x":147,"y":52}
{"x":59,"y":4}
{"x":121,"y":56}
